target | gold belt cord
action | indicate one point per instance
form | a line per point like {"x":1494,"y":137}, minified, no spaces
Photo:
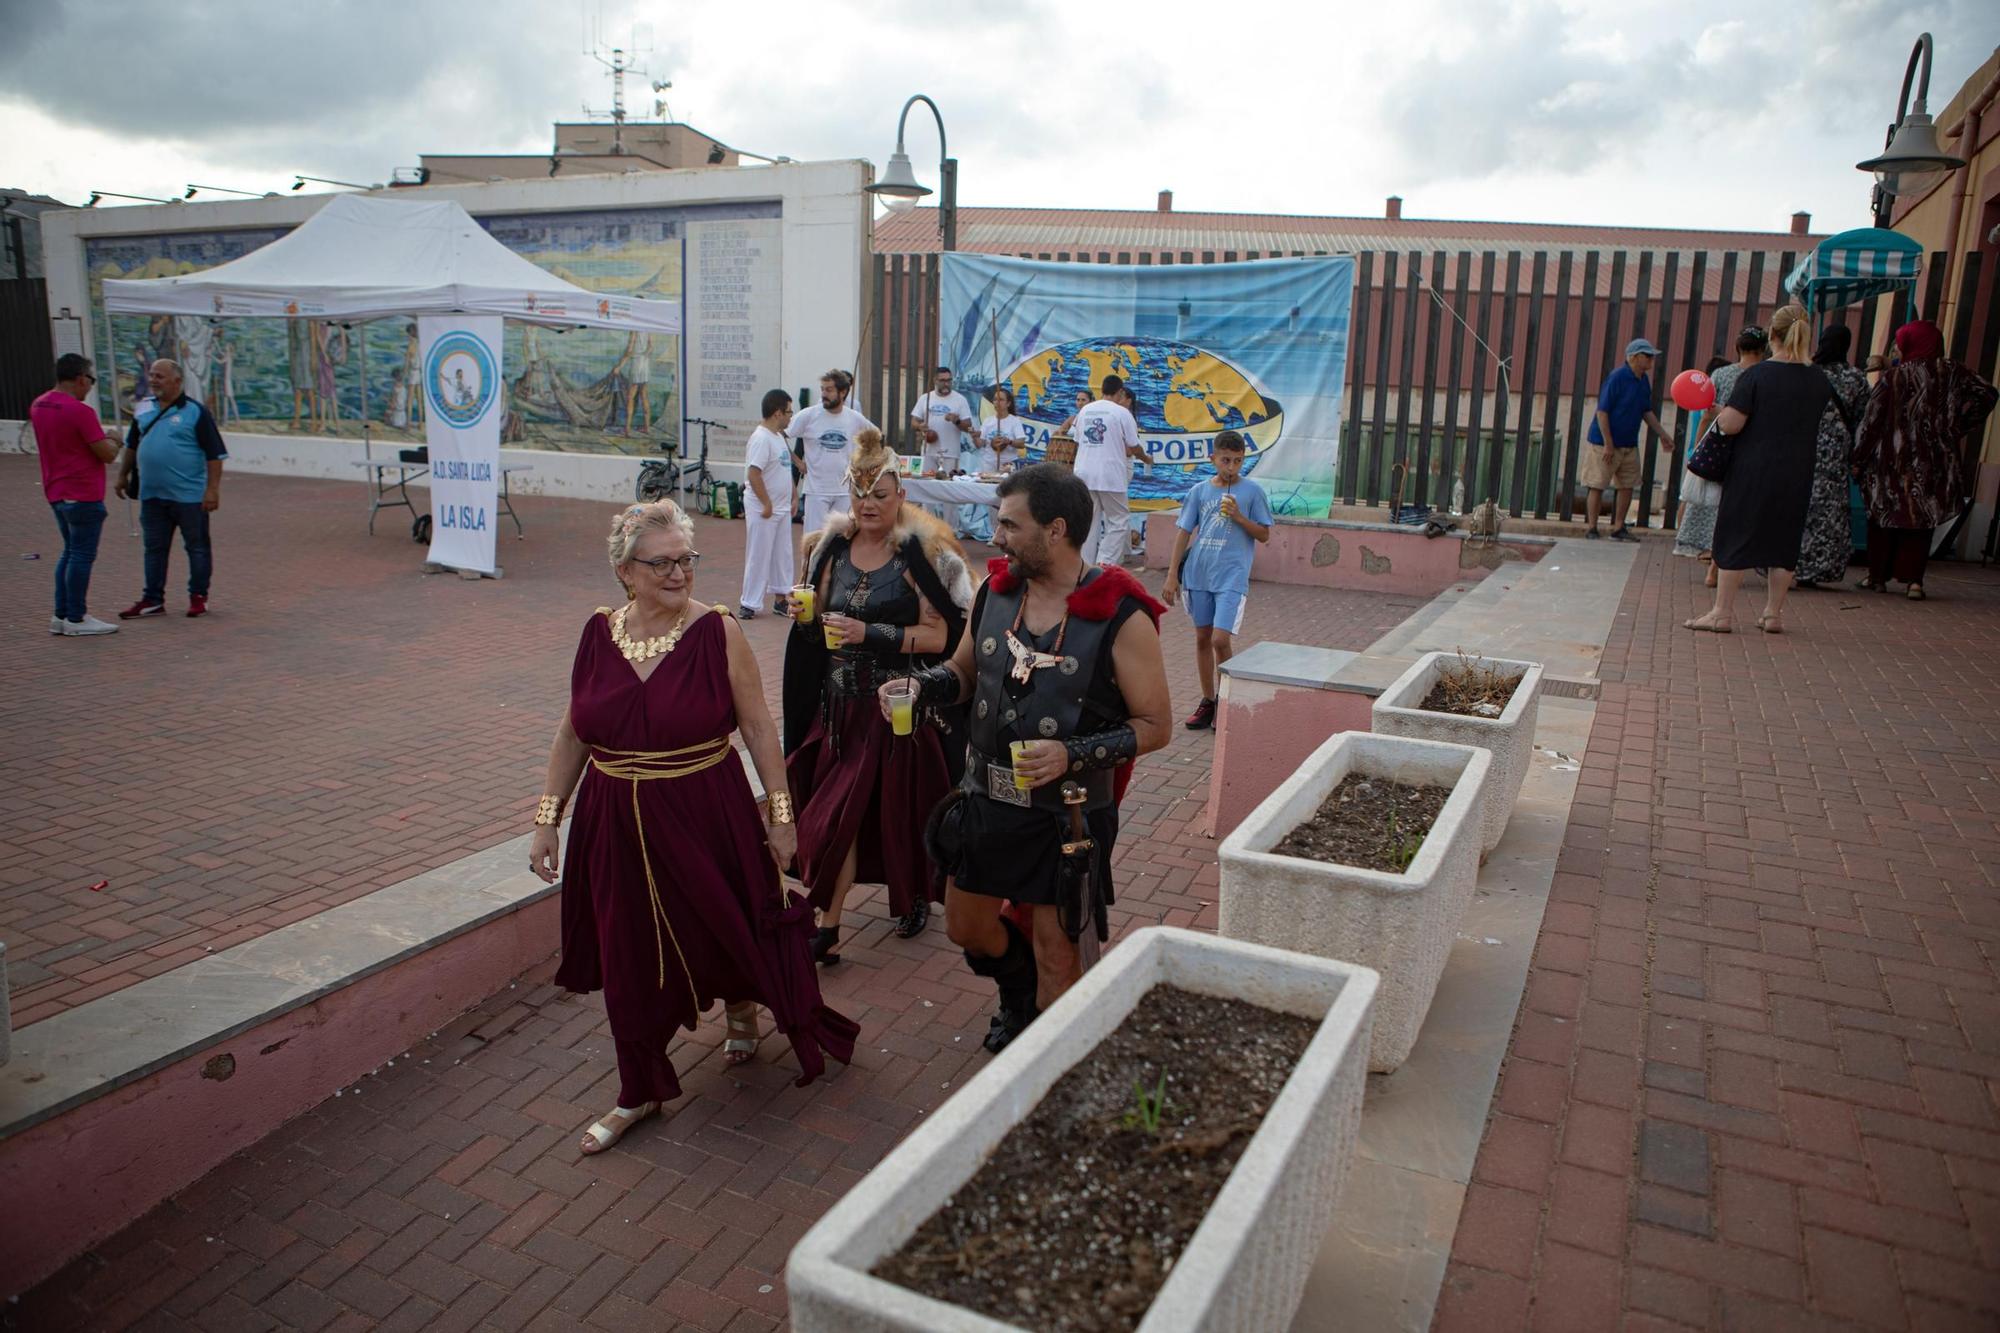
{"x":638,"y":766}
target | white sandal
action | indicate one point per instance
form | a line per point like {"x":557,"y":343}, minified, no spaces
{"x":611,"y":1128}
{"x":744,"y":1032}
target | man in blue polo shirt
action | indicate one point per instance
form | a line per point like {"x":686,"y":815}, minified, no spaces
{"x":176,"y":452}
{"x":1624,"y":403}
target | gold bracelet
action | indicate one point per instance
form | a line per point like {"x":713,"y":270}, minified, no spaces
{"x":781,"y":807}
{"x":548,"y":811}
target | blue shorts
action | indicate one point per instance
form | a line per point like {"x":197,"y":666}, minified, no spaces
{"x":1220,"y":610}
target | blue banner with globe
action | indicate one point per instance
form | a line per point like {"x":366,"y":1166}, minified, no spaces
{"x":1257,"y":347}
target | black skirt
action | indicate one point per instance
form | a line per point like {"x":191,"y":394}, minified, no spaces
{"x":1003,"y":851}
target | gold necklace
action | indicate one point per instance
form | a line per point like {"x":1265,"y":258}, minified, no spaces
{"x":640,"y":650}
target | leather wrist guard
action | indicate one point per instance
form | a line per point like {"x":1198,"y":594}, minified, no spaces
{"x":1103,"y":749}
{"x":938,"y":685}
{"x":883,"y":638}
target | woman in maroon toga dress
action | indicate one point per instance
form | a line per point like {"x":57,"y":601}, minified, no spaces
{"x":672,"y":897}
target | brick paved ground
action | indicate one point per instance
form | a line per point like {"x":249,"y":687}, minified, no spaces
{"x":445,"y":1191}
{"x":1753,"y":1083}
{"x":339,"y":722}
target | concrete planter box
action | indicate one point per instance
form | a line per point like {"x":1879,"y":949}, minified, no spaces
{"x":1510,"y":736}
{"x":1245,"y":1267}
{"x":1401,"y":925}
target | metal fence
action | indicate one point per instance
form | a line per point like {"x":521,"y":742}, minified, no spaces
{"x":1482,"y":367}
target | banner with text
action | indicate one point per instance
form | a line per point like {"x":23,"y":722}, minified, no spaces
{"x":1258,"y":347}
{"x":462,"y":386}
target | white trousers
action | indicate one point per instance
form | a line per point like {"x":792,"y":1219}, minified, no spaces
{"x":819,"y":506}
{"x":1110,"y":517}
{"x":769,"y":558}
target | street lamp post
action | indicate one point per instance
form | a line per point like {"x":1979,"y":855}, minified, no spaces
{"x":899,"y":181}
{"x":1911,"y":160}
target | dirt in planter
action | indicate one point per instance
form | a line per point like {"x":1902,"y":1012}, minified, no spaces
{"x":1077,"y":1218}
{"x":1470,"y":687}
{"x":1368,"y":822}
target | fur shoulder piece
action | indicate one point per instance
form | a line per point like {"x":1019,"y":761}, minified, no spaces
{"x":932,"y":535}
{"x":1096,"y":600}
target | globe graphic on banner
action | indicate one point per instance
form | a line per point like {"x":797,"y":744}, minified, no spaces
{"x":1182,"y":390}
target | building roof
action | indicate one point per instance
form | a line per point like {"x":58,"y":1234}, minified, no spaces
{"x":1051,"y":231}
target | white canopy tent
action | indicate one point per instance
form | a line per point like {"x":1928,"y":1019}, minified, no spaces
{"x":362,"y":257}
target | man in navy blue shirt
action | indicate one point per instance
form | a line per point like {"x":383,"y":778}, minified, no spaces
{"x":173,"y":460}
{"x":1612,"y":458}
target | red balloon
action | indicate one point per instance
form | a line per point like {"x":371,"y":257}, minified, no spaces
{"x":1693,"y":391}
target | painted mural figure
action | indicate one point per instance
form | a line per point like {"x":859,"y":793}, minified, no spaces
{"x":299,"y":355}
{"x":329,"y":354}
{"x":637,"y":364}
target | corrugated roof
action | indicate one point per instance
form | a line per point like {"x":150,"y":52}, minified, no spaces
{"x":1056,"y":230}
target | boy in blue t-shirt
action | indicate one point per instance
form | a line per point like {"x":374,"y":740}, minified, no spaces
{"x":1221,"y":522}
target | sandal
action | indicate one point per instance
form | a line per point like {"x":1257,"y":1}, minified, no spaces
{"x":825,"y":939}
{"x":1869,"y":585}
{"x":1770,"y":624}
{"x":911,"y":924}
{"x":1916,"y":593}
{"x":611,"y":1128}
{"x":1707,"y":625}
{"x":740,"y":1022}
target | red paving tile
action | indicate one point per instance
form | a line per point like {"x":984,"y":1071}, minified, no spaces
{"x":340,"y":722}
{"x":355,"y":723}
{"x":1783,"y":859}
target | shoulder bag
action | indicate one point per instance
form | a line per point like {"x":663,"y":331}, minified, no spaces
{"x":1709,"y":459}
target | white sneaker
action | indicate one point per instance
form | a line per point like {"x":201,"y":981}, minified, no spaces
{"x":88,"y":625}
{"x":55,"y":624}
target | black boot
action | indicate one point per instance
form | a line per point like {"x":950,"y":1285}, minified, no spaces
{"x":911,"y":924}
{"x":825,"y":940}
{"x":1014,"y":973}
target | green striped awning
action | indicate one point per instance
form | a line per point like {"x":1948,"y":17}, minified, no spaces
{"x":1854,"y":266}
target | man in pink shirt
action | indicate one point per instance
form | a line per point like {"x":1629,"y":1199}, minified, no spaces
{"x":73,"y":449}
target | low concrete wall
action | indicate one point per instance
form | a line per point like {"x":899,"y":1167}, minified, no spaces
{"x":76,"y":1166}
{"x":1279,"y":704}
{"x":1367,"y":557}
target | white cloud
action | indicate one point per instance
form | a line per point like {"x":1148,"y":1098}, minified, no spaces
{"x":1646,"y":112}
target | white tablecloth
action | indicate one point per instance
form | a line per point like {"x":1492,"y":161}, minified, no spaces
{"x":930,"y":491}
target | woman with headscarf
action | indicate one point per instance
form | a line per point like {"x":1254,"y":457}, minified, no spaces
{"x":1907,"y":456}
{"x":1828,"y":539}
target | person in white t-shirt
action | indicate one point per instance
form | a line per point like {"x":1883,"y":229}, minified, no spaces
{"x":943,"y":423}
{"x":825,"y":435}
{"x":1107,"y":442}
{"x":768,"y":559}
{"x":1003,"y":445}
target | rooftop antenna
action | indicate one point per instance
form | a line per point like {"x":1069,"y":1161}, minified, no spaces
{"x":661,"y":109}
{"x":620,"y":62}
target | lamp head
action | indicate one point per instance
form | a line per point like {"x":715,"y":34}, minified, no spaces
{"x":898,"y":180}
{"x":190,"y":193}
{"x":299,"y":184}
{"x":1913,"y":161}
{"x":94,"y":197}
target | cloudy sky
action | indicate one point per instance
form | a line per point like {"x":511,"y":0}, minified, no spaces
{"x":1685,"y":113}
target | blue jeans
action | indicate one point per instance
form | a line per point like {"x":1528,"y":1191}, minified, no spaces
{"x":157,"y":521}
{"x":81,"y":523}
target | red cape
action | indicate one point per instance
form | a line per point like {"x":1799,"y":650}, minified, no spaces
{"x":1096,"y":600}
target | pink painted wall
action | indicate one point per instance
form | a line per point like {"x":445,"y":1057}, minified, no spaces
{"x":1347,"y":556}
{"x":1262,"y":734}
{"x":71,"y":1181}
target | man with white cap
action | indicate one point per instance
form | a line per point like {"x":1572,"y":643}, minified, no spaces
{"x":1611,"y":459}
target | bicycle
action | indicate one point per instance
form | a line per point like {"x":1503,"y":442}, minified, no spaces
{"x":662,"y":479}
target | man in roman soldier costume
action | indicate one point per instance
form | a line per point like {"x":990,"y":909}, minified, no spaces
{"x":1061,"y":662}
{"x":889,"y":590}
